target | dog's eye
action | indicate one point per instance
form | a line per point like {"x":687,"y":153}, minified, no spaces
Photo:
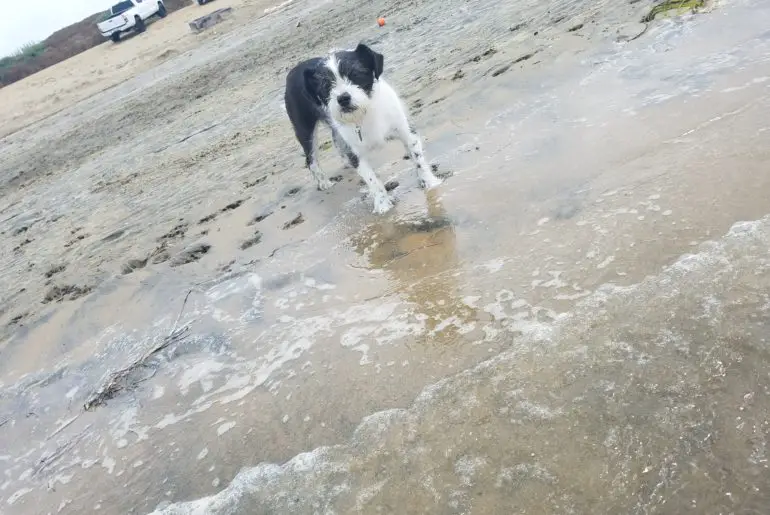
{"x":359,"y":76}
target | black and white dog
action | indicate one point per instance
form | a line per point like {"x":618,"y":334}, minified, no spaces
{"x":346,"y":91}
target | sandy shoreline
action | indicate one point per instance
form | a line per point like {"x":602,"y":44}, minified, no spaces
{"x":582,"y":157}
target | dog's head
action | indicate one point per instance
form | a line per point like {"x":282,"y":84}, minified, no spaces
{"x":345,"y":82}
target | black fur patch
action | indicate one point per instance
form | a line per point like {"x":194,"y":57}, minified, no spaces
{"x":319,"y":81}
{"x":361,"y":66}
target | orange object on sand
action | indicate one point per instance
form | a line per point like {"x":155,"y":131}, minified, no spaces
{"x":380,"y":21}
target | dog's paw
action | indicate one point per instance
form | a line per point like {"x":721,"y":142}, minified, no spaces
{"x":391,"y":185}
{"x":325,"y":184}
{"x":441,"y":174}
{"x":429,"y":182}
{"x":382,"y":204}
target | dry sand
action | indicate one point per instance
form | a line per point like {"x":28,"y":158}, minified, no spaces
{"x":107,"y":65}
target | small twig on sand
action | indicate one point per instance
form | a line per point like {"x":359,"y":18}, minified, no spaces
{"x":646,"y":26}
{"x":200,"y":131}
{"x":181,"y":310}
{"x":46,"y":461}
{"x":273,"y":253}
{"x":120,"y":379}
{"x":64,"y":426}
{"x":405,"y":254}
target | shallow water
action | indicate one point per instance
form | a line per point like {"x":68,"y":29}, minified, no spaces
{"x":534,"y":336}
{"x":612,"y":408}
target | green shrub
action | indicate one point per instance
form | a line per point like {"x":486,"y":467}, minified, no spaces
{"x":24,"y":53}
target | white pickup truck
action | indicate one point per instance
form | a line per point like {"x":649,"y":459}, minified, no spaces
{"x":130,"y":15}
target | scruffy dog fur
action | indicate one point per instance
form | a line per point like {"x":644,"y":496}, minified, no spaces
{"x":347,"y":92}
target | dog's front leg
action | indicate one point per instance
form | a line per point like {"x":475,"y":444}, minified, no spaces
{"x":413,"y":145}
{"x":319,"y":175}
{"x":343,"y":148}
{"x":382,"y":202}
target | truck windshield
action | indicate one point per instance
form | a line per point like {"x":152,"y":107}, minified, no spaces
{"x":121,"y":7}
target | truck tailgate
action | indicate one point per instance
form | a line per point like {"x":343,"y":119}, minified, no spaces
{"x":116,"y":22}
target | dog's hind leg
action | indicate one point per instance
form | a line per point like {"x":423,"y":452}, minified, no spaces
{"x":413,"y":145}
{"x":306,"y":137}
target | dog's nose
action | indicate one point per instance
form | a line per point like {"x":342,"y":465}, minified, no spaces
{"x":344,"y":100}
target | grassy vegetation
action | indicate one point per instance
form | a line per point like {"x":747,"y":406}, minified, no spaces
{"x":674,"y":7}
{"x":26,"y":52}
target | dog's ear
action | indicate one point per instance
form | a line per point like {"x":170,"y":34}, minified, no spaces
{"x":374,"y":60}
{"x":312,"y":85}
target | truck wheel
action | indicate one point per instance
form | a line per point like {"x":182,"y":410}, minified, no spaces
{"x":139,"y":24}
{"x":115,"y":37}
{"x":162,"y":12}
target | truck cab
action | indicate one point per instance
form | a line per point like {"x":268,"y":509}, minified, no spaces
{"x":130,"y":15}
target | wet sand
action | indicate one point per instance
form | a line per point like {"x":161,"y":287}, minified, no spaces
{"x":573,"y":323}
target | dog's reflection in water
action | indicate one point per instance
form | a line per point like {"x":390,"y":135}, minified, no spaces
{"x":421,"y":258}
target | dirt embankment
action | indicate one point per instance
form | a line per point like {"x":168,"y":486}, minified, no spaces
{"x":60,"y":46}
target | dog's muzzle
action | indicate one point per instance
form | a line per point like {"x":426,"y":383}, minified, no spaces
{"x":346,"y":103}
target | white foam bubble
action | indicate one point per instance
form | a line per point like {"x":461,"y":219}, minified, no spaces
{"x":158,"y":391}
{"x":200,"y":372}
{"x":222,"y":429}
{"x":18,"y":494}
{"x":494,"y":265}
{"x":466,"y":467}
{"x":109,"y":464}
{"x":606,"y":262}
